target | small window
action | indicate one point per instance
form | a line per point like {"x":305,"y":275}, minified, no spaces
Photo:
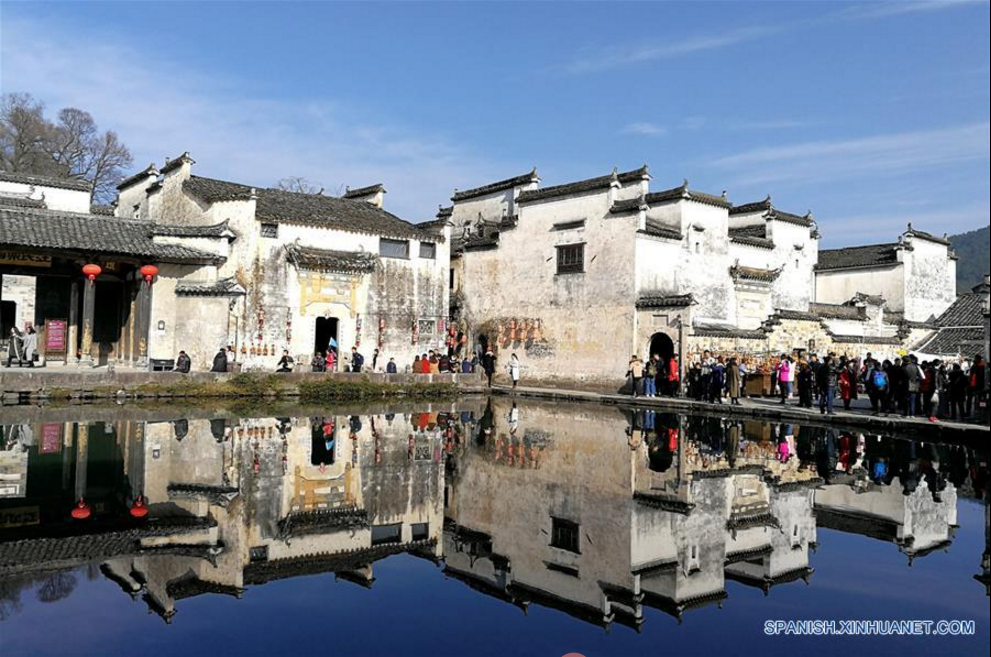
{"x":565,"y":535}
{"x":571,"y":259}
{"x":428,"y":327}
{"x":258,"y":554}
{"x":421,"y":531}
{"x":428,"y":250}
{"x":387,"y":535}
{"x":394,"y":249}
{"x":270,"y":231}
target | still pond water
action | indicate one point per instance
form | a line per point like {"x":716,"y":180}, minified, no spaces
{"x":478,"y":528}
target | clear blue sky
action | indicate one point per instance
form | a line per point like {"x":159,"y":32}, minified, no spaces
{"x":871,"y":114}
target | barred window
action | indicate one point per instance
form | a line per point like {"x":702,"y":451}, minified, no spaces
{"x":270,"y":230}
{"x":428,"y":250}
{"x":394,"y":249}
{"x":571,"y":259}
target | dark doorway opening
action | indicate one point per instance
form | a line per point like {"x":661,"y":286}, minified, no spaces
{"x":326,"y":336}
{"x":662,"y":346}
{"x":8,"y":315}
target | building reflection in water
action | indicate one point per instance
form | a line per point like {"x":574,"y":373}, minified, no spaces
{"x":591,"y":511}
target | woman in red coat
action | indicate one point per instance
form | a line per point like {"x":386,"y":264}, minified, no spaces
{"x":847,"y":383}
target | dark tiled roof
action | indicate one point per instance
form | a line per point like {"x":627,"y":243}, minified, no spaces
{"x":485,"y":242}
{"x":85,"y":233}
{"x":735,"y":333}
{"x":362,"y":192}
{"x":968,"y":310}
{"x":658,"y":300}
{"x":657,"y":229}
{"x":345,"y":262}
{"x":860,"y":339}
{"x":218,"y":230}
{"x":628,"y":207}
{"x":877,"y":255}
{"x":278,"y":206}
{"x":796,"y":315}
{"x":445,"y":213}
{"x":492,"y":188}
{"x":869,"y":299}
{"x":228,"y":287}
{"x":320,"y":522}
{"x":766,"y":207}
{"x":214,"y":191}
{"x":833,"y":311}
{"x":662,"y":503}
{"x":584,"y":186}
{"x":43,"y":181}
{"x":955,"y":342}
{"x":102,"y":210}
{"x":335,"y":214}
{"x":755,"y":236}
{"x":683,"y":193}
{"x":140,"y":176}
{"x":929,"y":237}
{"x":754,"y":274}
{"x":172,"y":165}
{"x":22,"y":202}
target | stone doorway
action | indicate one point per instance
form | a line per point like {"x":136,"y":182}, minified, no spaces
{"x":662,"y":346}
{"x":326,"y":335}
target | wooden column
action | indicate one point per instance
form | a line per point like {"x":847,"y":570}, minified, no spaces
{"x":88,"y":322}
{"x":72,"y":341}
{"x":142,"y":324}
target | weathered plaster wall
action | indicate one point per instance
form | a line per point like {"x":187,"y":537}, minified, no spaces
{"x":841,"y":286}
{"x":930,"y":280}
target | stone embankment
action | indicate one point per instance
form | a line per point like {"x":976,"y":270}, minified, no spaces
{"x":41,"y":386}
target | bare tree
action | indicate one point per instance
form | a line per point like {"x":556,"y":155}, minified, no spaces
{"x":299,"y":185}
{"x":72,"y":147}
{"x":57,"y":587}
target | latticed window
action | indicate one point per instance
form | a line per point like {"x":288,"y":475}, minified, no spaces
{"x":428,"y":250}
{"x":270,"y":230}
{"x":571,"y":259}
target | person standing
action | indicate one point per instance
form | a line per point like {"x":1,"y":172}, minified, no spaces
{"x":515,"y":370}
{"x":785,"y":374}
{"x":828,"y":381}
{"x":30,"y":345}
{"x":805,"y":380}
{"x":375,"y":361}
{"x":636,"y":374}
{"x":734,"y":382}
{"x":650,"y":377}
{"x":489,"y":365}
{"x":913,"y":385}
{"x":717,"y":382}
{"x":357,"y":361}
{"x":220,"y":362}
{"x":231,"y":358}
{"x":959,"y":385}
{"x":15,"y":347}
{"x":286,"y":363}
{"x":319,"y":363}
{"x":705,"y":376}
{"x":392,"y":368}
{"x":674,"y":377}
{"x":975,"y":389}
{"x":929,"y":389}
{"x":876,"y":382}
{"x":331,"y":361}
{"x":847,"y":383}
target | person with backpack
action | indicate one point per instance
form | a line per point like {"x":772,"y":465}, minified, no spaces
{"x":650,"y":377}
{"x":913,"y":385}
{"x":876,"y":382}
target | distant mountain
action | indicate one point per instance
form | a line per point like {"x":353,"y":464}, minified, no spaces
{"x":974,"y":251}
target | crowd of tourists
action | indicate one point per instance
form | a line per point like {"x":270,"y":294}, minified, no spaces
{"x":931,"y":389}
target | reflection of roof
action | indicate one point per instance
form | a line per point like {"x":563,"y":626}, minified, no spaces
{"x":587,"y":613}
{"x":191,"y":587}
{"x":483,"y":586}
{"x":86,"y":233}
{"x":767,"y":583}
{"x":271,"y":571}
{"x":663,"y":503}
{"x":677,"y":608}
{"x":744,"y":521}
{"x":749,"y":555}
{"x":318,"y":522}
{"x":881,"y":529}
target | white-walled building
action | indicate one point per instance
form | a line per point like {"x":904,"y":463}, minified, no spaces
{"x":301,"y":271}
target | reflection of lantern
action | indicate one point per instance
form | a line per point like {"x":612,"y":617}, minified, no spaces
{"x":92,"y":271}
{"x":140,"y":509}
{"x":149,"y":272}
{"x":82,"y":511}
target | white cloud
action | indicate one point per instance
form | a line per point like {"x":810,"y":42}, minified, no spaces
{"x":877,"y":156}
{"x":161,"y":110}
{"x":645,"y":130}
{"x":888,"y":8}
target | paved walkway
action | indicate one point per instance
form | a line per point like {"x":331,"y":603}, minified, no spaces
{"x":770,"y":409}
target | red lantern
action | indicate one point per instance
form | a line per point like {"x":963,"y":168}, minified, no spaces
{"x":140,"y":510}
{"x":81,"y":511}
{"x":149,"y":272}
{"x":92,"y":271}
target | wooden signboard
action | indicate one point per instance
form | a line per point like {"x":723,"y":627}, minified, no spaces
{"x":51,"y":438}
{"x":57,"y":339}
